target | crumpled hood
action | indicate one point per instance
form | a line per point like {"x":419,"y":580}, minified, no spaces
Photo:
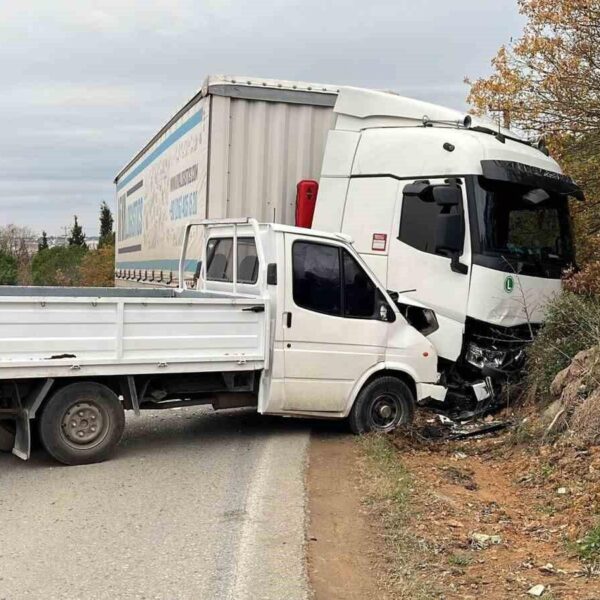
{"x":509,"y":299}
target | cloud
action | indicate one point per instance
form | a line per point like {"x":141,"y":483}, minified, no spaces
{"x":85,"y":84}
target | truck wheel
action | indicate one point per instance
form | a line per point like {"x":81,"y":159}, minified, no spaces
{"x":382,"y":405}
{"x":82,"y":423}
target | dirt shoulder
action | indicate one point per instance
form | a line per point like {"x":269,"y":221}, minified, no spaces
{"x":340,"y":543}
{"x":395,"y":517}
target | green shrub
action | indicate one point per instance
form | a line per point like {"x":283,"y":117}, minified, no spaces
{"x":57,"y":266}
{"x":588,"y":548}
{"x":98,"y":267}
{"x":8,"y":269}
{"x":572,"y":324}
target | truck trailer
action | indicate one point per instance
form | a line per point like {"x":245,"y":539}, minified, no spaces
{"x":466,"y":223}
{"x":237,"y":148}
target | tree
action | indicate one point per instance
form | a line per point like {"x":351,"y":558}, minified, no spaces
{"x":548,"y":82}
{"x":98,"y":267}
{"x":13,"y":239}
{"x":77,"y":237}
{"x":43,"y":242}
{"x":107,"y":236}
{"x":58,"y":266}
{"x":8,"y":269}
{"x":16,"y":241}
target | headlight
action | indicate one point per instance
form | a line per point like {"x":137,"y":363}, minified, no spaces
{"x":483,"y":357}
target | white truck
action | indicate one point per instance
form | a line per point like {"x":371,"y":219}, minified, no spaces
{"x":286,"y":320}
{"x":465,"y":223}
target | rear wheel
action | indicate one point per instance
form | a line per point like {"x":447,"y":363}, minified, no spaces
{"x":382,"y":405}
{"x":82,"y":423}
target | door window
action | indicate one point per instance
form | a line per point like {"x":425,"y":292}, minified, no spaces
{"x":317,"y":281}
{"x":419,"y":222}
{"x":359,"y":290}
{"x":328,"y":279}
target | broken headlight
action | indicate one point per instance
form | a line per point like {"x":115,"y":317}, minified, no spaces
{"x":484,"y":357}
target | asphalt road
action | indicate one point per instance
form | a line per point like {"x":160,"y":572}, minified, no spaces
{"x":194,"y":505}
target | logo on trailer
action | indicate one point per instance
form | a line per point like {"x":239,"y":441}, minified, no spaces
{"x":509,"y":284}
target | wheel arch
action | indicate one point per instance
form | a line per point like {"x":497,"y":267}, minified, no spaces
{"x":382,"y":369}
{"x":116,"y":384}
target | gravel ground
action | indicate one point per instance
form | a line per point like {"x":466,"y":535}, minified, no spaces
{"x":194,"y":505}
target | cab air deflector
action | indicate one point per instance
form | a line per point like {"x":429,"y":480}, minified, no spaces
{"x":520,"y":173}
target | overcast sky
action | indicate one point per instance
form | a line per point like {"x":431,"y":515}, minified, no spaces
{"x":84,"y":84}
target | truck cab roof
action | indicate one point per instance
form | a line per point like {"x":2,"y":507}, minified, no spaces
{"x":381,"y":115}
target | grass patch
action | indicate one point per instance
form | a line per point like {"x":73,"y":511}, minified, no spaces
{"x":546,"y":509}
{"x":547,"y":470}
{"x":588,"y":547}
{"x":382,"y":453}
{"x":525,"y":433}
{"x":389,"y":490}
{"x":459,"y":560}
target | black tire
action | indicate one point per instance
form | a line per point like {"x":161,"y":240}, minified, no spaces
{"x":382,"y":405}
{"x":82,"y":423}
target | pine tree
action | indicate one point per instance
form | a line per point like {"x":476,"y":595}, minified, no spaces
{"x":43,"y":242}
{"x":107,"y":236}
{"x":77,"y":237}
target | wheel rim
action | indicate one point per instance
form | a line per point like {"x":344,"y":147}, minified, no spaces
{"x":85,"y":425}
{"x":385,"y":412}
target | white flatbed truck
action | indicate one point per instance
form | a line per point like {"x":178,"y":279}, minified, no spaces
{"x":287,"y":320}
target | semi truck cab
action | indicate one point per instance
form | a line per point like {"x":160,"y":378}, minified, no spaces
{"x":466,"y":223}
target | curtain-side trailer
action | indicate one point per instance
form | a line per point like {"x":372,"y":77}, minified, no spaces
{"x":237,"y":147}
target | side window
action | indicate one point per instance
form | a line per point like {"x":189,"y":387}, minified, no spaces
{"x":247,"y":269}
{"x":220,"y":260}
{"x":328,"y":279}
{"x":219,"y":254}
{"x":418,"y":223}
{"x":317,"y":277}
{"x":359,"y":290}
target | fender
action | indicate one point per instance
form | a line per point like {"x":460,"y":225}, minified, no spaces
{"x":381,"y":366}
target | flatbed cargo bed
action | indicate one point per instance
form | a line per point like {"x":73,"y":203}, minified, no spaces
{"x":62,"y":332}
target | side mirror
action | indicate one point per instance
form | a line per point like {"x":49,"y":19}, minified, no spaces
{"x":385,"y":313}
{"x":450,"y":233}
{"x":450,"y":239}
{"x":447,"y":195}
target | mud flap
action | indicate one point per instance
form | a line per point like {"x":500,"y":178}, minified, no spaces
{"x":22,"y":447}
{"x":27,"y":413}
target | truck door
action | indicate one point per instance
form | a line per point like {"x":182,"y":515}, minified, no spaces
{"x":428,"y":276}
{"x":332,"y":328}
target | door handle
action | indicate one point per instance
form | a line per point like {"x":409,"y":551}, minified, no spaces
{"x":254,"y":309}
{"x":288,"y":319}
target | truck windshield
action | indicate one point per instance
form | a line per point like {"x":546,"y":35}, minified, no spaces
{"x":526,"y":229}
